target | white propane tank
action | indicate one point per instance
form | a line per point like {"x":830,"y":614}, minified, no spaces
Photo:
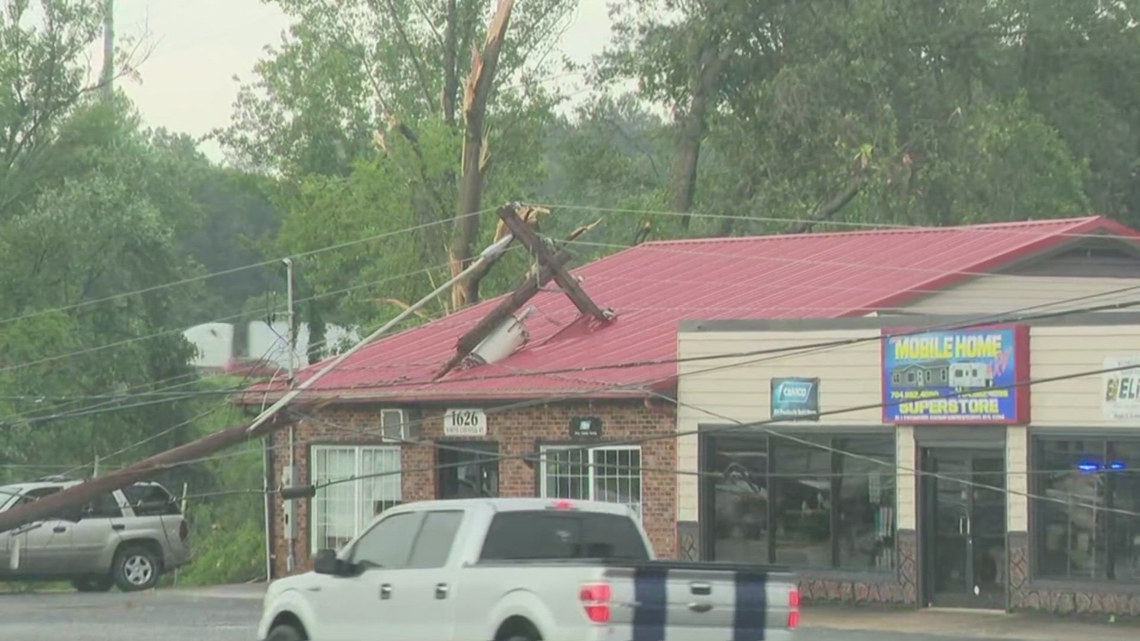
{"x":504,"y":341}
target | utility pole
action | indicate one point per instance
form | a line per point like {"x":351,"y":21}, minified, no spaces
{"x":290,"y":332}
{"x":288,"y":475}
{"x":266,"y":422}
{"x":107,"y":78}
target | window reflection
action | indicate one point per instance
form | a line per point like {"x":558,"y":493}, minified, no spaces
{"x":774,"y":500}
{"x":803,"y":503}
{"x":1087,"y":494}
{"x":741,"y":499}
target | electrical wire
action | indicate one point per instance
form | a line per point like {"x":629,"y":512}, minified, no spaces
{"x":997,"y":227}
{"x":1012,"y":317}
{"x":742,"y":426}
{"x":234,"y":270}
{"x":655,"y":247}
{"x":777,"y":353}
{"x":170,"y":332}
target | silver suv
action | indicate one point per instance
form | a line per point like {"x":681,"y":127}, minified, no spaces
{"x":127,"y":538}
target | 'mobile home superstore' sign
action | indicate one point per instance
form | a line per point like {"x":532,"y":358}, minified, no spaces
{"x":975,"y":376}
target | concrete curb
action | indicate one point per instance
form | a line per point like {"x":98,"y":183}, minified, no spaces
{"x":970,"y":624}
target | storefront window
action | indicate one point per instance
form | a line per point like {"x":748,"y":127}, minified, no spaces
{"x":1086,"y":497}
{"x":827,"y":503}
{"x":801,"y":491}
{"x":866,"y":505}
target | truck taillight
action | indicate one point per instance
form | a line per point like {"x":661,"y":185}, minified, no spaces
{"x":595,"y":599}
{"x":793,"y":608}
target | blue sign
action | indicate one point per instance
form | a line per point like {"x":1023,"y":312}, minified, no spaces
{"x":795,"y":398}
{"x":970,"y":376}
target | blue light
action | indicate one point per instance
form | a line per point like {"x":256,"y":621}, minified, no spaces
{"x":1088,"y":467}
{"x":1118,"y":465}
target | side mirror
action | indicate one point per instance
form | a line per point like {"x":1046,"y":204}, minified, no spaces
{"x":326,"y":562}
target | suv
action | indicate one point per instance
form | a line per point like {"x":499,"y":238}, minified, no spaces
{"x":127,"y":537}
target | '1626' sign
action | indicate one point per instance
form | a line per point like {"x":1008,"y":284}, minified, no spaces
{"x":464,"y":422}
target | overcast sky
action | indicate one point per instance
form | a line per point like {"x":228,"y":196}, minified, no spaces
{"x":199,"y":46}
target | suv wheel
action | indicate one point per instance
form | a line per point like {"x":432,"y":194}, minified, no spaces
{"x":93,"y":584}
{"x":135,"y":568}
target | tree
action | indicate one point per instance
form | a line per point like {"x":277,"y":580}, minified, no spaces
{"x":876,"y":111}
{"x":91,"y":208}
{"x":387,"y":92}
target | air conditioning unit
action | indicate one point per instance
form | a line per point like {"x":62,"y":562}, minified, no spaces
{"x":394,"y":425}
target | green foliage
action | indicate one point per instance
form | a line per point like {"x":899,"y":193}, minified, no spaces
{"x":225,"y":506}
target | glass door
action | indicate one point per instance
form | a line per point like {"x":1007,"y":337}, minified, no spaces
{"x":468,"y":469}
{"x":964,"y":527}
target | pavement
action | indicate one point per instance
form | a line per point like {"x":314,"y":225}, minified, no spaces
{"x":230,"y":613}
{"x":962,"y":624}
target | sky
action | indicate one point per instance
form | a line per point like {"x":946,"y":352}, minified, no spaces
{"x":201,"y":49}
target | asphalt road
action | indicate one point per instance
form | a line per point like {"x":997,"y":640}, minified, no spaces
{"x":164,"y":615}
{"x":230,"y":614}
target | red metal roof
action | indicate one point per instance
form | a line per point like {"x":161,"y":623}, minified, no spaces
{"x":653,"y":286}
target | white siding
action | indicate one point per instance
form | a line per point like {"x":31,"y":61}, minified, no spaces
{"x":996,"y":293}
{"x":725,"y":391}
{"x":1067,"y":351}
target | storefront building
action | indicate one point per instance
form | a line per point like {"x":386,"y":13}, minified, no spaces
{"x":920,"y":461}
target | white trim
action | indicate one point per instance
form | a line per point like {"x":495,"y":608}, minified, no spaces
{"x":591,"y":476}
{"x":364,"y":492}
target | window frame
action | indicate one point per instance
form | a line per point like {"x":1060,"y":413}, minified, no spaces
{"x":353,"y":548}
{"x":451,"y":547}
{"x":591,"y":466}
{"x":360,"y":524}
{"x":706,"y":489}
{"x":1037,"y":481}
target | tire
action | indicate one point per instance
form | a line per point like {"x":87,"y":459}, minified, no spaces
{"x":93,"y":584}
{"x":135,"y":568}
{"x":285,"y":632}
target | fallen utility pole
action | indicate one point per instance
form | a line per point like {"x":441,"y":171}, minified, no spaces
{"x":531,"y":284}
{"x":265,"y":423}
{"x":546,"y":259}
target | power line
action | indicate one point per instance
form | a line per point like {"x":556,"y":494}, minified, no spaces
{"x":234,"y":270}
{"x":171,"y":332}
{"x":742,"y":426}
{"x":1013,"y":317}
{"x":999,"y":227}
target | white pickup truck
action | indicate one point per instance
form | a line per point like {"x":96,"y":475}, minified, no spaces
{"x":522,"y":570}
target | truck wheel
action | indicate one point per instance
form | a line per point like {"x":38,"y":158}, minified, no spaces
{"x":285,"y":632}
{"x":93,"y":584}
{"x":135,"y":568}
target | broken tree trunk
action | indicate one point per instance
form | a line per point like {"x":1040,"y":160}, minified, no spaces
{"x":477,"y":91}
{"x":693,"y":126}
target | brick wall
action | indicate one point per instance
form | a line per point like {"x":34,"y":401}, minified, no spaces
{"x":518,"y":432}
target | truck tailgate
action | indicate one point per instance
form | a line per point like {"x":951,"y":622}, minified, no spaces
{"x":676,"y":601}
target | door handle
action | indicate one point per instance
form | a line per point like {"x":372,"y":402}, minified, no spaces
{"x":59,"y":528}
{"x":385,"y":591}
{"x":441,"y":590}
{"x":118,"y":527}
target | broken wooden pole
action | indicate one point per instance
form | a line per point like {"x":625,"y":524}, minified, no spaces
{"x":545,"y":257}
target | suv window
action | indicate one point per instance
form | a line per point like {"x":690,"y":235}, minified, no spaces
{"x":35,"y":494}
{"x":389,"y":542}
{"x":433,"y":545}
{"x":150,"y":500}
{"x":534,"y":534}
{"x":103,"y":506}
